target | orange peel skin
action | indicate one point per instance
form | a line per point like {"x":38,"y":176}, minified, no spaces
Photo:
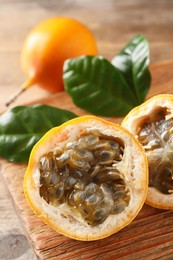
{"x":46,"y":48}
{"x":48,"y":45}
{"x":151,"y":123}
{"x":133,"y":167}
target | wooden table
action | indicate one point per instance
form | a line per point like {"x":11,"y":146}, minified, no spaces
{"x":113,"y":22}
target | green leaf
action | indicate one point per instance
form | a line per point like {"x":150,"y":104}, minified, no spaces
{"x":110,"y":89}
{"x":22,"y":126}
{"x":97,"y":86}
{"x":133,"y":63}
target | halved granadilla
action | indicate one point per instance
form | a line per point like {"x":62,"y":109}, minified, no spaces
{"x":87,"y":178}
{"x":152,"y":124}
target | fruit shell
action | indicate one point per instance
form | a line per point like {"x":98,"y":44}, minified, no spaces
{"x":61,"y":218}
{"x":132,"y":122}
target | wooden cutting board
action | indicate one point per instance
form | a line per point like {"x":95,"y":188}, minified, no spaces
{"x":149,"y":236}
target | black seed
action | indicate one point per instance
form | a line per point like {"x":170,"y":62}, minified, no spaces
{"x":105,"y":155}
{"x":88,"y":141}
{"x":100,"y":214}
{"x":77,"y":174}
{"x":113,"y":175}
{"x":119,"y":207}
{"x":79,"y":185}
{"x":92,"y":200}
{"x":85,"y":154}
{"x":48,"y":163}
{"x":118,"y":186}
{"x":114,"y":145}
{"x":46,"y":177}
{"x":119,"y":195}
{"x":64,"y":170}
{"x":70,"y":182}
{"x":163,"y":181}
{"x":168,"y":174}
{"x":63,"y":159}
{"x":59,"y":193}
{"x":54,"y":178}
{"x":80,"y":196}
{"x":91,"y":188}
{"x":71,"y":199}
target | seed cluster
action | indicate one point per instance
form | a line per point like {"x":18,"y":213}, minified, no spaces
{"x":85,"y":176}
{"x":156,"y":137}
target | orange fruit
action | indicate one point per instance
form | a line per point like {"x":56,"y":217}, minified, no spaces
{"x":152,"y":124}
{"x":87,"y":178}
{"x":49,"y":44}
{"x":46,"y":48}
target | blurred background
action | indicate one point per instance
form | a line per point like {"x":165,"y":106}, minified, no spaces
{"x":113,"y":22}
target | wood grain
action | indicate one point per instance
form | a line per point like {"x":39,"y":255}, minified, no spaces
{"x":13,"y":241}
{"x":149,"y":236}
{"x":114,"y":24}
